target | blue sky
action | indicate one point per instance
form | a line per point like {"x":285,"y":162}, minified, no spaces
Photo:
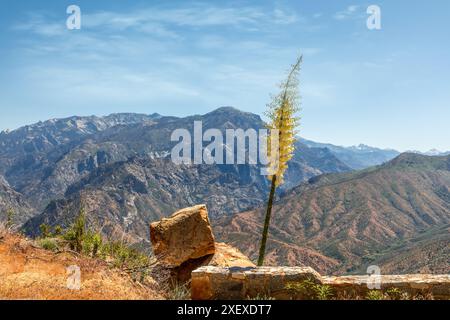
{"x":388,"y":88}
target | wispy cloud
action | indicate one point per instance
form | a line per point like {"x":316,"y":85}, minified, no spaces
{"x":283,"y":17}
{"x":348,"y":13}
{"x":164,"y":22}
{"x":41,"y":25}
{"x":200,"y":55}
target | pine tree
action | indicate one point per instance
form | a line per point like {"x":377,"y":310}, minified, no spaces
{"x":282,"y":117}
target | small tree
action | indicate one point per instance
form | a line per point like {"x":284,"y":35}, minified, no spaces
{"x":281,"y":114}
{"x":75,"y":234}
{"x":45,"y":231}
{"x":10,"y":218}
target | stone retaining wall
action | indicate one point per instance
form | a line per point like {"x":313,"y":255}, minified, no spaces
{"x":305,"y":283}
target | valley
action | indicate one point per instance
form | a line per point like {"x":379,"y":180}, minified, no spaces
{"x":342,"y":223}
{"x":393,"y":209}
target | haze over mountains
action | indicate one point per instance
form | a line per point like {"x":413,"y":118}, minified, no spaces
{"x":356,"y":157}
{"x":119,"y":168}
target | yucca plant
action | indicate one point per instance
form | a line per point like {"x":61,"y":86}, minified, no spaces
{"x":282,"y":118}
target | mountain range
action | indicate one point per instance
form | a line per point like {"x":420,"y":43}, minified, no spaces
{"x":356,"y":157}
{"x":119,"y":169}
{"x":42,"y":161}
{"x":396,"y":216}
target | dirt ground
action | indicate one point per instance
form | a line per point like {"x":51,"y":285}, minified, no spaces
{"x":29,"y":272}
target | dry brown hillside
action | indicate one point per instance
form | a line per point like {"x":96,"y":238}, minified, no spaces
{"x":396,"y":216}
{"x":30,"y":272}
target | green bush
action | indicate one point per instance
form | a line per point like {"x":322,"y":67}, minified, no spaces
{"x":75,"y":234}
{"x":311,"y":290}
{"x":305,"y":288}
{"x":91,"y":243}
{"x":49,"y":244}
{"x":9,"y":218}
{"x":397,"y":294}
{"x":123,"y":255}
{"x":78,"y":237}
{"x":58,"y":231}
{"x":45,"y":231}
{"x":375,"y":295}
{"x":323,"y":292}
{"x":261,"y":297}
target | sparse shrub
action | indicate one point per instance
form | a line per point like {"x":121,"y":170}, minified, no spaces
{"x":124,"y":256}
{"x":83,"y":240}
{"x":375,"y":295}
{"x":96,"y":243}
{"x":305,"y":288}
{"x":45,"y":231}
{"x":423,"y":296}
{"x":74,"y":235}
{"x":179,"y":291}
{"x":261,"y":297}
{"x":9,"y":218}
{"x":78,"y":237}
{"x":308,"y":289}
{"x":58,"y":231}
{"x":323,"y":291}
{"x":396,"y":294}
{"x":49,"y":244}
{"x":91,"y":243}
{"x":79,"y":228}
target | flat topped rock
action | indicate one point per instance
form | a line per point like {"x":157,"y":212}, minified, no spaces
{"x":185,"y":235}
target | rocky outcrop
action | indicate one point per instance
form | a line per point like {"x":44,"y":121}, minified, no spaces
{"x":228,"y":256}
{"x":304,"y":283}
{"x":184,"y":236}
{"x":224,"y":256}
{"x":12,"y":200}
{"x":185,"y":242}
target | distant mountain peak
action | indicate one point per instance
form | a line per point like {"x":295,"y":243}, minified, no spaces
{"x":229,"y":110}
{"x":431,"y":152}
{"x":412,"y":159}
{"x":226,"y":109}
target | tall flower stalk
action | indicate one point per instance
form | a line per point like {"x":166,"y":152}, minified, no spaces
{"x":282,"y":117}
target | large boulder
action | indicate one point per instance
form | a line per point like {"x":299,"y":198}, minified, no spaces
{"x":228,"y":256}
{"x":225,"y":256}
{"x":184,"y":236}
{"x":185,"y":242}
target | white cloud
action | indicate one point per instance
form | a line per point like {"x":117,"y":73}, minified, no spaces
{"x":163,"y":22}
{"x":318,"y":93}
{"x":159,"y":55}
{"x":282,"y":17}
{"x":38,"y":24}
{"x":348,"y":13}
